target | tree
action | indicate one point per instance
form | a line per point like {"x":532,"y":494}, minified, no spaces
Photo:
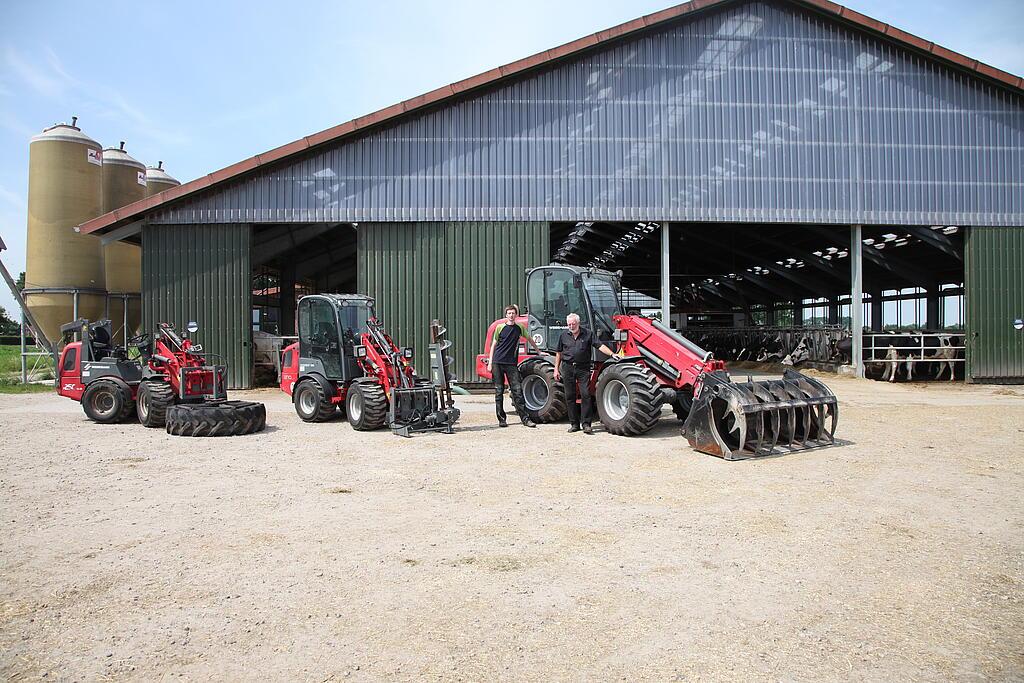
{"x":8,"y":326}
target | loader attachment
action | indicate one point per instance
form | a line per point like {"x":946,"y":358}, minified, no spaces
{"x":735,"y":420}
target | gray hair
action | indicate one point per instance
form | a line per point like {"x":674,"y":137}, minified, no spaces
{"x":572,"y":316}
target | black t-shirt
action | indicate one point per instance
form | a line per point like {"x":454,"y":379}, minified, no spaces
{"x":506,"y":343}
{"x":576,"y":350}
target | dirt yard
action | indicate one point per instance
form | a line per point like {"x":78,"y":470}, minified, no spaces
{"x":313,"y":552}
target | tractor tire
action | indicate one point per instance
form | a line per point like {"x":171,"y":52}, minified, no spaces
{"x":230,"y":418}
{"x":152,"y":402}
{"x":629,"y":399}
{"x":107,"y":402}
{"x":682,"y":405}
{"x":544,"y":395}
{"x":311,"y":402}
{"x":366,"y":405}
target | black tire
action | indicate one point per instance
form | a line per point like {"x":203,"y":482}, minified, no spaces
{"x":683,"y":403}
{"x":152,"y":402}
{"x":230,"y":418}
{"x":366,"y":405}
{"x":107,"y":402}
{"x":311,"y":402}
{"x":629,"y":399}
{"x":544,"y":396}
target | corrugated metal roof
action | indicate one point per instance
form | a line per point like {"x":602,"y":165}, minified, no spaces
{"x":133,"y":211}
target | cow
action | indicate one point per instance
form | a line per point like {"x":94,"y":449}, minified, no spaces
{"x":945,"y":355}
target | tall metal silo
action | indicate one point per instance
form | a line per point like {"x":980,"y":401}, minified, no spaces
{"x":124,"y":182}
{"x":158,"y":180}
{"x":64,"y":273}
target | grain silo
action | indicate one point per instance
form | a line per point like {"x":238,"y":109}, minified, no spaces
{"x":64,"y":274}
{"x":158,"y":180}
{"x":124,"y":182}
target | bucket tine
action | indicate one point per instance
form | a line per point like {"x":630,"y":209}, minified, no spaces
{"x":751,"y":419}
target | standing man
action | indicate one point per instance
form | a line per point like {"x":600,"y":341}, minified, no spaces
{"x":504,"y":363}
{"x":572,"y":363}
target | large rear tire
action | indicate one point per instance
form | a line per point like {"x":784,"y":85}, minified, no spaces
{"x":311,"y":402}
{"x":231,"y":418}
{"x":152,"y":402}
{"x":107,"y":402}
{"x":544,"y":396}
{"x":366,"y":405}
{"x":629,"y":399}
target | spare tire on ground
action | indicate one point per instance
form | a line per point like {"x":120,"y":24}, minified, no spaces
{"x":230,"y":418}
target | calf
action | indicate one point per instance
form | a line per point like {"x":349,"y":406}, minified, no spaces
{"x":892,"y":361}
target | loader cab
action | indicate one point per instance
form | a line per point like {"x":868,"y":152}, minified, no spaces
{"x":555,"y":291}
{"x":330,"y":326}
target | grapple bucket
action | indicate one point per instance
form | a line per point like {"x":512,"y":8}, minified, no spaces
{"x":750,"y":419}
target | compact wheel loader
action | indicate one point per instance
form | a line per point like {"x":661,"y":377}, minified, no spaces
{"x":345,"y":360}
{"x":169,"y":386}
{"x":655,"y":366}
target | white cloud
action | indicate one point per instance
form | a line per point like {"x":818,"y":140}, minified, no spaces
{"x":45,"y":82}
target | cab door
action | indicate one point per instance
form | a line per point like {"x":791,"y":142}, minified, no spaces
{"x":318,"y":335}
{"x":70,"y":378}
{"x":552,"y":294}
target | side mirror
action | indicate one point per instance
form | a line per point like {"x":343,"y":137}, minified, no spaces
{"x":192,"y":327}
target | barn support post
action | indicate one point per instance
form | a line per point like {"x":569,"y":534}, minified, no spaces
{"x":666,"y":290}
{"x":286,"y":300}
{"x":876,"y":310}
{"x":932,"y":308}
{"x":857,"y":299}
{"x":833,"y":310}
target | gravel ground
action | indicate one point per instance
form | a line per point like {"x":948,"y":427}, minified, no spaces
{"x":314,"y":552}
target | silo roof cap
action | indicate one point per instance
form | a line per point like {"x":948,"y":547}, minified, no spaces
{"x":65,"y":133}
{"x":157,"y":174}
{"x":115,"y":155}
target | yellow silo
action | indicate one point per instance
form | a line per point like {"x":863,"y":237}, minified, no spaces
{"x":124,"y":182}
{"x":157,"y":180}
{"x":65,"y":170}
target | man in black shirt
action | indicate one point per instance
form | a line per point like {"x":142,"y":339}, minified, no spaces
{"x":504,"y":363}
{"x":572,"y":363}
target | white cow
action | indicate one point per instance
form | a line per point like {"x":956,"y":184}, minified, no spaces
{"x":945,"y":356}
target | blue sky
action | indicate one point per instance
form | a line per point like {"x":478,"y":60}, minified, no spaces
{"x":203,"y":85}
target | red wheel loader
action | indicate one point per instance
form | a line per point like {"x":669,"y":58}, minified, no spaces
{"x":654,"y":366}
{"x":345,"y":360}
{"x":170,"y":386}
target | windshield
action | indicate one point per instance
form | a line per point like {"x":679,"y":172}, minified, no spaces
{"x":352,"y":317}
{"x":604,"y":300}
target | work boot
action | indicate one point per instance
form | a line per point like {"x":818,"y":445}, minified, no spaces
{"x":574,"y":428}
{"x":502,"y":422}
{"x":529,"y":423}
{"x":587,"y":429}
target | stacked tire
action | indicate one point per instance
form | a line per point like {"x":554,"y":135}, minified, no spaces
{"x":229,"y":418}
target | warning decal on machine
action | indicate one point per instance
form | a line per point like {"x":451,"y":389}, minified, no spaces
{"x":142,"y":178}
{"x":94,"y":156}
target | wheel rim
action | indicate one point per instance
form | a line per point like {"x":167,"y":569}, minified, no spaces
{"x":535,"y":392}
{"x":103,"y":402}
{"x":355,"y":406}
{"x":307,"y":401}
{"x":615,"y":399}
{"x":143,"y":403}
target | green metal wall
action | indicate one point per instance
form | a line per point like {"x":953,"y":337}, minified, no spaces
{"x":994,"y":297}
{"x":464,"y":273}
{"x":202,"y":273}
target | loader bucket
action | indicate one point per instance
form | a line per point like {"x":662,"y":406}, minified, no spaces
{"x":749,"y":419}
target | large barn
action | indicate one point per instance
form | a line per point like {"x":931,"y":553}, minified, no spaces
{"x":754,"y":157}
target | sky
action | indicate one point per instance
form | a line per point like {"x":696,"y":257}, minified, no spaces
{"x":202,"y":85}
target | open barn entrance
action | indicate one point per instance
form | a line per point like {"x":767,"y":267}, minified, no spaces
{"x":289,"y":261}
{"x":768,"y":291}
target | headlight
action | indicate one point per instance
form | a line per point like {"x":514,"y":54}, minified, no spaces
{"x":407,"y":353}
{"x":360,"y":351}
{"x":620,"y":335}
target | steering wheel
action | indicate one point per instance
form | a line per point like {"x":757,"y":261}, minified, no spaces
{"x":139,"y":340}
